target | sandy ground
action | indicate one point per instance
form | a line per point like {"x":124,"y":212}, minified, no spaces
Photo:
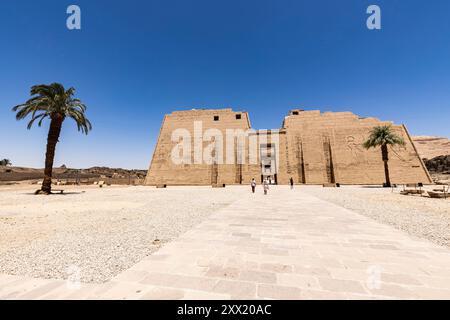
{"x":100,"y":231}
{"x":419,"y":216}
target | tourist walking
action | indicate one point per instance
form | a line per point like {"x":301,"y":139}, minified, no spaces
{"x":253,"y":184}
{"x":291,"y":182}
{"x":266,"y":186}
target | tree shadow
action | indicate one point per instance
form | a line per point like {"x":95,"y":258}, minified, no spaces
{"x":56,"y":193}
{"x":378,"y":187}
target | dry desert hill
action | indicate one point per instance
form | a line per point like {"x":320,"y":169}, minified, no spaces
{"x":436,"y":154}
{"x":109,"y":175}
{"x":434,"y":150}
{"x":430,"y":147}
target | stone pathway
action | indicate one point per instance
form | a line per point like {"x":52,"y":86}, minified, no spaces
{"x":287,"y":245}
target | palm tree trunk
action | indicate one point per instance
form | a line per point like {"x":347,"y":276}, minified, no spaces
{"x":385,"y":155}
{"x":52,"y":139}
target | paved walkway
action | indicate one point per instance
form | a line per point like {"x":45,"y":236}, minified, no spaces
{"x":272,"y":247}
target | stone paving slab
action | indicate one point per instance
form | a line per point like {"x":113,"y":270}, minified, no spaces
{"x":286,"y":245}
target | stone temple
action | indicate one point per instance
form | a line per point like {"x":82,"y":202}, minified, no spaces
{"x":219,"y":147}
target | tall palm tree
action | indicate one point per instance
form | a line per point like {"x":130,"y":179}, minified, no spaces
{"x":56,"y":103}
{"x":384,"y":136}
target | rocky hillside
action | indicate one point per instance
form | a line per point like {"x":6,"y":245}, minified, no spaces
{"x":21,"y":174}
{"x":430,"y":147}
{"x":439,"y":164}
{"x":439,"y":168}
{"x":435,"y":151}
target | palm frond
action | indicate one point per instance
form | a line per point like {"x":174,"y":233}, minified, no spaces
{"x":50,"y":101}
{"x":383,"y":135}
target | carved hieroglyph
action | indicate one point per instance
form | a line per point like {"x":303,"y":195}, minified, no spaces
{"x":311,"y":147}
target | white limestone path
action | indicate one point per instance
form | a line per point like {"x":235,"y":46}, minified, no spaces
{"x":286,"y":245}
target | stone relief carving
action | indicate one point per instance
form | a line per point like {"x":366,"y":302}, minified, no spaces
{"x":356,"y":149}
{"x":401,"y":153}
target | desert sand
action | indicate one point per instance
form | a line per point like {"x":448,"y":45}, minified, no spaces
{"x":102,"y":231}
{"x":106,"y":231}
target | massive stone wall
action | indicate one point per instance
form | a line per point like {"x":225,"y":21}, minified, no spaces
{"x":311,"y":147}
{"x":163,"y":170}
{"x":331,"y":144}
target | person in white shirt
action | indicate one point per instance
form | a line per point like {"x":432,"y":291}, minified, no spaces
{"x":266,"y":186}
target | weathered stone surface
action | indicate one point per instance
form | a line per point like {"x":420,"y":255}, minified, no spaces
{"x":311,"y":147}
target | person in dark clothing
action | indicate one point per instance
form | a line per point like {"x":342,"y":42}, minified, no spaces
{"x":291,"y":182}
{"x":253,"y":184}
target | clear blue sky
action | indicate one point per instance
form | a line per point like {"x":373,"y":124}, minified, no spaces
{"x":133,"y":61}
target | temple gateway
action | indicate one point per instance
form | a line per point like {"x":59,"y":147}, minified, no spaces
{"x":219,"y":147}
